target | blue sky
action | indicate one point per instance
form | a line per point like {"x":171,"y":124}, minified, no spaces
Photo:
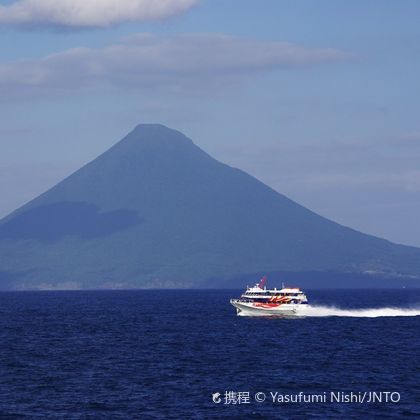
{"x":320,"y":100}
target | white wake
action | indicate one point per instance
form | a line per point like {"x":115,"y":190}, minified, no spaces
{"x":360,"y":313}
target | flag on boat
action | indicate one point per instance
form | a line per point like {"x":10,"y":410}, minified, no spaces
{"x":262,"y":282}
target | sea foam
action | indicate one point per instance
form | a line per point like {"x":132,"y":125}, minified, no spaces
{"x":323,"y":311}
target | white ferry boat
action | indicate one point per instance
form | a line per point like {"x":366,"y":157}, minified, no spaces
{"x":258,"y":300}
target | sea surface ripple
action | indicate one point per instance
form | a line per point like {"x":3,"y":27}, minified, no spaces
{"x":162,"y":354}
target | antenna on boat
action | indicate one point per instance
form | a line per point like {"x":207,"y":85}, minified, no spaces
{"x":282,"y":284}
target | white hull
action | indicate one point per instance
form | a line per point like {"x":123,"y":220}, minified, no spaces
{"x":255,"y":309}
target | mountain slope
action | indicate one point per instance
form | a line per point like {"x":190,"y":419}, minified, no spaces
{"x":155,"y":210}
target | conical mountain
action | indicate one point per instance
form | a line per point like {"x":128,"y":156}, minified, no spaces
{"x":157,"y":211}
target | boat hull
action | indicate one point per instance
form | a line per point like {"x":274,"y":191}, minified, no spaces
{"x":268,"y":309}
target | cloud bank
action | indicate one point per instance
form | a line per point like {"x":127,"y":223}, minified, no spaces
{"x":193,"y":62}
{"x":89,"y":13}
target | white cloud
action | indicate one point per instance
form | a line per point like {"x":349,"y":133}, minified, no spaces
{"x":322,"y":166}
{"x":193,"y":62}
{"x":408,"y":181}
{"x":409,"y":138}
{"x":89,"y":13}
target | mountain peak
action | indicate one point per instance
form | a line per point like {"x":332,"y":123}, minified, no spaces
{"x":152,"y":127}
{"x":157,"y":134}
{"x":152,"y":141}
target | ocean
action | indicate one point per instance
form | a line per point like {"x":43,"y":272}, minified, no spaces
{"x":184,"y":354}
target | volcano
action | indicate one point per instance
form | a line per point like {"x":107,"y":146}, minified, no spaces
{"x":157,"y":211}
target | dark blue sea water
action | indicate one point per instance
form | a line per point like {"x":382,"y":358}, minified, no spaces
{"x":162,"y":354}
